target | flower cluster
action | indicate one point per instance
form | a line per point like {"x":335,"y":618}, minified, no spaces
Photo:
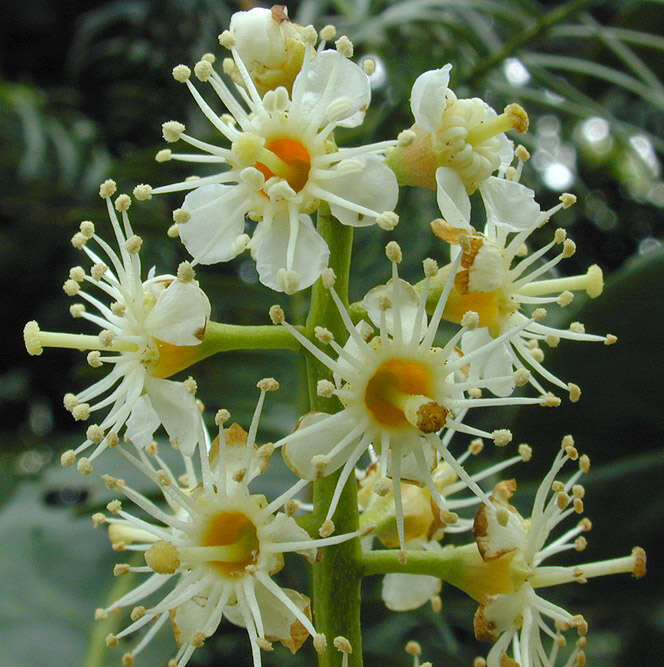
{"x":389,"y":386}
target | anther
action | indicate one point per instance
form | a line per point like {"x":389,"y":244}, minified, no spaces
{"x":501,"y":437}
{"x":31,"y":338}
{"x":610,"y":339}
{"x":203,"y":70}
{"x":405,"y":138}
{"x":122,"y":202}
{"x":172,"y":131}
{"x":574,"y":392}
{"x":567,"y":199}
{"x":106,"y":189}
{"x":430,"y":267}
{"x":114,"y":506}
{"x":68,"y":458}
{"x":413,"y":648}
{"x":327,"y":528}
{"x":320,"y":643}
{"x":133,"y":244}
{"x":190,"y":385}
{"x":369,"y":66}
{"x":81,"y":412}
{"x":476,"y":446}
{"x":143,"y":192}
{"x":222,"y":416}
{"x":327,"y":34}
{"x":525,"y":452}
{"x":325,"y":388}
{"x":181,"y":73}
{"x":164,"y":155}
{"x":227,"y":39}
{"x":387,"y":220}
{"x":569,"y":248}
{"x":549,"y":400}
{"x":185,"y":273}
{"x":162,"y":557}
{"x":277,"y":314}
{"x":522,"y":153}
{"x":393,"y":252}
{"x":120,"y":569}
{"x":268,"y":384}
{"x":98,"y":270}
{"x":173,"y":232}
{"x":344,"y":46}
{"x":342,"y":645}
{"x":328,"y":278}
{"x":71,"y":287}
{"x":470,"y":319}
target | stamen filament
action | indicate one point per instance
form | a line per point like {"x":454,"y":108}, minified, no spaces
{"x":513,"y":118}
{"x":552,"y":575}
{"x":83,"y":342}
{"x":591,"y":282}
{"x":231,"y":553}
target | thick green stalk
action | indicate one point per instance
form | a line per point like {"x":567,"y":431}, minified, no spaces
{"x":337,"y":577}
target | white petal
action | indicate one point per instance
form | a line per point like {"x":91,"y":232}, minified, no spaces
{"x":506,"y":151}
{"x":142,"y":423}
{"x":509,"y":204}
{"x":326,"y":78}
{"x":453,"y":200}
{"x":189,"y":617}
{"x":309,"y":259}
{"x":180,"y":314}
{"x":409,"y":301}
{"x":278,"y":620}
{"x":210,"y":207}
{"x":495,"y":363}
{"x":427,"y":98}
{"x":258,"y":37}
{"x":316,"y":435}
{"x":345,"y":368}
{"x":403,"y":592}
{"x":375,"y":187}
{"x":285,"y":529}
{"x":177,"y":411}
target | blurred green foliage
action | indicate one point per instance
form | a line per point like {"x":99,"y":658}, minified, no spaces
{"x":84,"y":87}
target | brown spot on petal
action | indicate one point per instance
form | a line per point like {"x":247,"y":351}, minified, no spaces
{"x":279,"y":13}
{"x":485,"y":630}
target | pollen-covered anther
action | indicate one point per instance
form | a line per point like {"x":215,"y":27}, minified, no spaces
{"x":98,"y":270}
{"x":610,"y":339}
{"x":639,"y":569}
{"x":84,"y":466}
{"x":521,"y":377}
{"x":560,"y":235}
{"x":173,"y":232}
{"x":31,"y":339}
{"x":181,"y":73}
{"x":122,"y":202}
{"x":94,"y":433}
{"x":264,"y":644}
{"x":142,"y":192}
{"x":323,"y":335}
{"x":430,"y":267}
{"x":210,"y":57}
{"x":120,"y":569}
{"x":521,"y":153}
{"x":369,"y":66}
{"x":325,"y":388}
{"x":137,"y":612}
{"x":128,"y":660}
{"x":77,"y":273}
{"x":476,"y":446}
{"x":111,"y":640}
{"x":172,"y":130}
{"x":413,"y":648}
{"x":470,"y":319}
{"x":327,"y":528}
{"x":227,"y":39}
{"x":580,"y":543}
{"x":405,"y":138}
{"x":448,"y":518}
{"x":68,"y":458}
{"x":78,"y":240}
{"x":525,"y":452}
{"x":584,"y":463}
{"x":76,"y":310}
{"x":203,"y":70}
{"x":539,"y":313}
{"x":162,"y":557}
{"x":71,"y":287}
{"x":549,"y":400}
{"x":114,"y":506}
{"x":569,"y":248}
{"x":328,"y":33}
{"x":342,"y":645}
{"x":387,"y":220}
{"x":574,"y":392}
{"x":552,"y":341}
{"x":567,"y":199}
{"x":133,"y":244}
{"x":393,"y":252}
{"x":164,"y":155}
{"x":112,"y":482}
{"x":320,"y":642}
{"x":501,"y":437}
{"x":565,"y":298}
{"x":344,"y":46}
{"x":586,"y":524}
{"x":98,"y":518}
{"x":267,"y":384}
{"x":81,"y":412}
{"x":106,"y":190}
{"x":328,"y":278}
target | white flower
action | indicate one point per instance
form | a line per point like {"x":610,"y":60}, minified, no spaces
{"x":463,"y":134}
{"x":213,"y":553}
{"x":423,"y":529}
{"x":141,"y":332}
{"x":488,"y":284}
{"x":518,"y":619}
{"x":397,"y":392}
{"x":281,"y":164}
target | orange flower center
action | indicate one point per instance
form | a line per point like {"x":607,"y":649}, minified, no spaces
{"x":294,"y":156}
{"x":237,"y":530}
{"x":391,"y":383}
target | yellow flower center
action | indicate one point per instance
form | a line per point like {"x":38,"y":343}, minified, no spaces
{"x":398,"y":394}
{"x":290,"y":160}
{"x":237,"y":533}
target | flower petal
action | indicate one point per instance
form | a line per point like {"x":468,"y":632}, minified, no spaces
{"x":403,"y":592}
{"x":177,"y":411}
{"x":309,"y":259}
{"x":453,"y":200}
{"x":214,"y":215}
{"x":374,"y":187}
{"x":285,"y":529}
{"x":180,"y":314}
{"x":509,"y":204}
{"x":409,"y":302}
{"x":142,"y":423}
{"x":427,"y":98}
{"x":319,"y":83}
{"x":316,"y":434}
{"x":495,"y":363}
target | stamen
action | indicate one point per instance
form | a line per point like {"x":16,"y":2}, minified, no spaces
{"x":513,"y":118}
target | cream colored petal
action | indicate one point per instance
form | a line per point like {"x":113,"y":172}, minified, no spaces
{"x":427,"y":98}
{"x":403,"y":592}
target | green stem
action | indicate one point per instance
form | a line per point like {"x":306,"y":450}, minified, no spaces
{"x":524,"y":37}
{"x":337,"y":577}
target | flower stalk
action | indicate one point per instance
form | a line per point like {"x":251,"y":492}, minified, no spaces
{"x":337,"y":576}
